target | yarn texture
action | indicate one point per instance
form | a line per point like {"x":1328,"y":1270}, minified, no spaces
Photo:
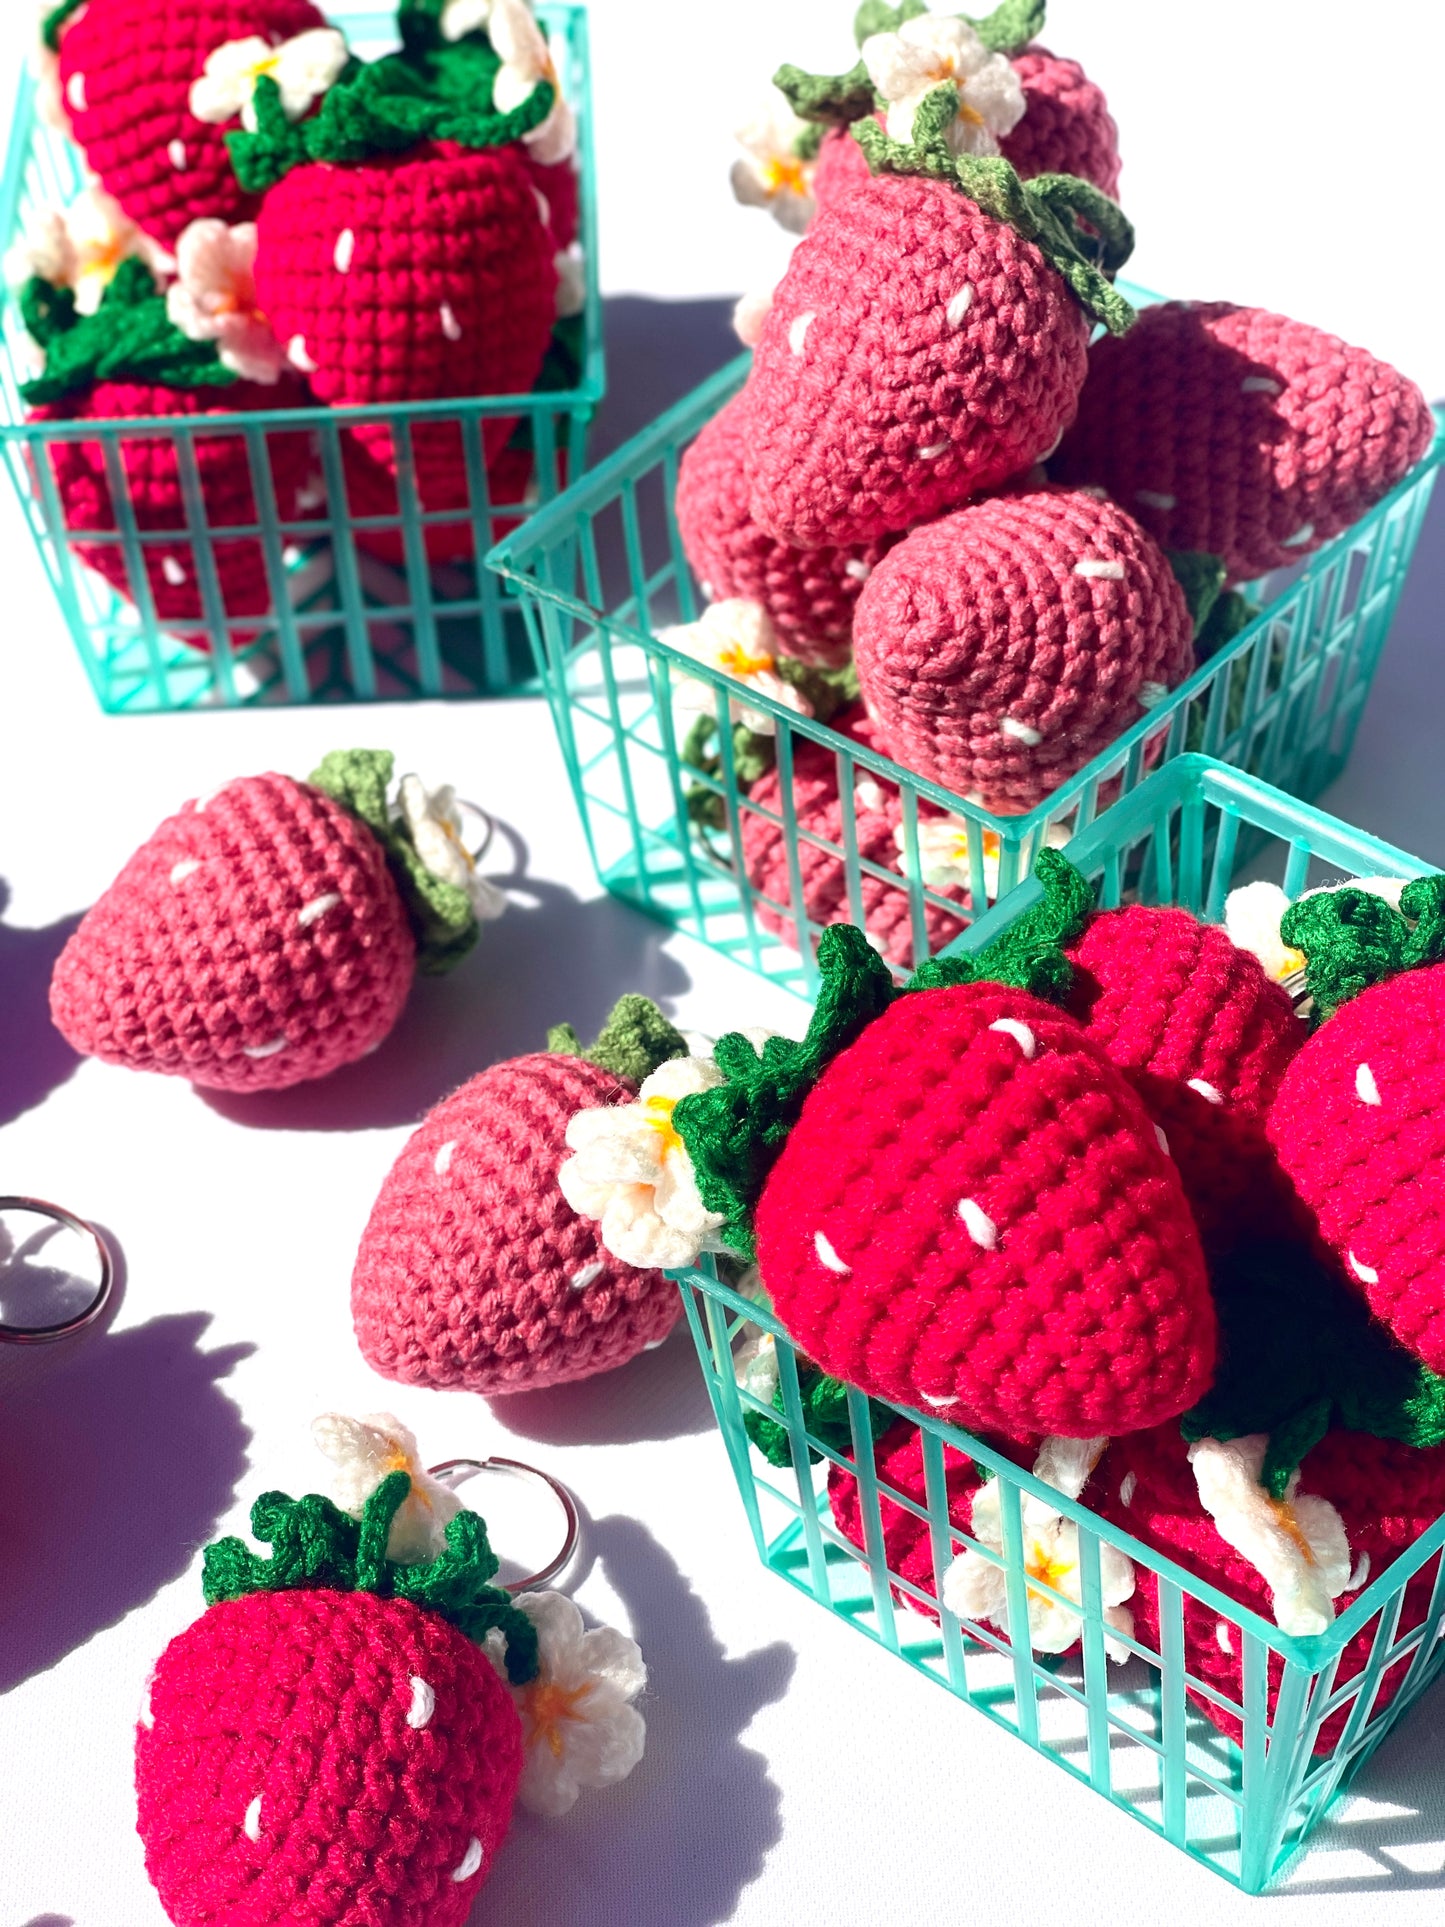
{"x":1001,"y":648}
{"x":1067,"y":127}
{"x":907,"y":1541}
{"x":1242,"y":433}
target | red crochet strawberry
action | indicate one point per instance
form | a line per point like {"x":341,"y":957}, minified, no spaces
{"x":329,"y":1742}
{"x":810,"y":594}
{"x":128,"y":361}
{"x":1003,"y":647}
{"x":1204,"y":1037}
{"x":1356,"y":1123}
{"x":1041,"y":1272}
{"x":268,"y":933}
{"x":907,"y":1541}
{"x":560,"y":186}
{"x":127,"y":69}
{"x":928,"y":340}
{"x":1242,"y":434}
{"x":473,"y":1269}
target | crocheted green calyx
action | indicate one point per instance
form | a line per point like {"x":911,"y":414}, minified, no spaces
{"x":825,"y":691}
{"x":1300,"y":1352}
{"x":825,"y":1416}
{"x":634,"y":1041}
{"x":1353,"y":939}
{"x":54,"y":20}
{"x":130,"y":337}
{"x":1007,"y":30}
{"x":441,"y":913}
{"x":1218,"y":614}
{"x":1031,"y":953}
{"x":1051,"y":210}
{"x":317,"y":1548}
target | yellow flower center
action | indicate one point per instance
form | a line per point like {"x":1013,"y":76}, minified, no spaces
{"x":658,"y":1112}
{"x":399,"y":1461}
{"x":266,"y":66}
{"x":1291,"y":961}
{"x":1047,"y":1566}
{"x":548,"y":1707}
{"x":969,"y":115}
{"x":454,"y":836}
{"x":1290,"y":1526}
{"x":783,"y":174}
{"x":734,"y":657}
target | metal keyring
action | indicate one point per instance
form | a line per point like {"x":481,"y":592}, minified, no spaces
{"x":468,"y":1469}
{"x":48,"y":1334}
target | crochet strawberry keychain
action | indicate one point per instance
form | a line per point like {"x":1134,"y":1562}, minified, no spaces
{"x":342,"y":1736}
{"x":269,"y":933}
{"x":474,"y":1269}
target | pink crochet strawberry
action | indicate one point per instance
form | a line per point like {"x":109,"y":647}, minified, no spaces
{"x":473,"y":1269}
{"x":1002,"y":647}
{"x":1205,"y":1037}
{"x":810,"y":594}
{"x":1355,"y":1123}
{"x":928,"y":341}
{"x":330,"y":1742}
{"x":1242,"y":434}
{"x":126,"y":361}
{"x":269,"y":933}
{"x":127,"y":71}
{"x":1041,"y":1273}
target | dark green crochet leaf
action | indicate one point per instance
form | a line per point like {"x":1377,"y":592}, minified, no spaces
{"x":130,"y":337}
{"x":1423,"y":901}
{"x":55,"y":20}
{"x":825,"y":1417}
{"x":316,"y":1547}
{"x":808,"y":144}
{"x":826,"y":691}
{"x":441,"y":913}
{"x":632,"y":1043}
{"x":1300,"y":1352}
{"x":834,"y":100}
{"x":1201,"y":576}
{"x":1030,"y":953}
{"x":1231,"y":615}
{"x":1351,"y":939}
{"x":1011,"y":26}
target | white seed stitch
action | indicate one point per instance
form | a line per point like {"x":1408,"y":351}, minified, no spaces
{"x":1152,"y":498}
{"x":828,"y":1256}
{"x":1360,"y":1573}
{"x":1300,"y":537}
{"x":146,"y":1716}
{"x":960,"y":305}
{"x":299,"y":355}
{"x":204,"y":802}
{"x":312,"y":495}
{"x":938,"y":1404}
{"x":1366,"y":1089}
{"x":656,"y":1345}
{"x":1020,"y":1033}
{"x":318,"y":906}
{"x":423,"y":1703}
{"x":1366,"y":1274}
{"x":442,"y":1162}
{"x":451,"y":327}
{"x":544,"y":207}
{"x":1223,"y":1637}
{"x":978,"y":1224}
{"x":932,"y":452}
{"x":1162,"y":1141}
{"x":1151,"y":694}
{"x":1128,"y":1486}
{"x":180,"y":159}
{"x":174,"y":571}
{"x":75,"y":92}
{"x":1021,"y":732}
{"x":1099,"y":570}
{"x":265,"y":1050}
{"x":187,"y":867}
{"x":345,"y":250}
{"x":471,"y":1861}
{"x":588,"y":1275}
{"x":1260,"y":385}
{"x":869,"y":795}
{"x":1206,"y":1091}
{"x":860,"y":571}
{"x":251,"y":1825}
{"x":798,"y":331}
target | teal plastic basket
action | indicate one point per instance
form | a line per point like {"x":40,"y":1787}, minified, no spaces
{"x":1283,"y":700}
{"x":346,"y":626}
{"x":1131,"y":1731}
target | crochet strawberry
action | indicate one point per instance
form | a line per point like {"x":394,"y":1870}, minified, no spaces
{"x":1041,"y":1272}
{"x":127,"y":71}
{"x":329,"y":1742}
{"x":128,"y":361}
{"x":810,"y":594}
{"x":473,"y":1269}
{"x":928,"y":340}
{"x":1001,"y":648}
{"x":907,"y":1541}
{"x":269,"y":933}
{"x":1355,"y":1123}
{"x":1204,"y":1037}
{"x":1241,"y":433}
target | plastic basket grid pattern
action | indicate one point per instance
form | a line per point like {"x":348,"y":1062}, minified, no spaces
{"x":346,"y":626}
{"x":1128,"y":1731}
{"x":602,"y":570}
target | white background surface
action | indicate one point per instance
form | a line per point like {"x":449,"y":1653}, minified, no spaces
{"x":794,"y":1773}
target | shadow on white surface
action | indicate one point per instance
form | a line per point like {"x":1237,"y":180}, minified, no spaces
{"x":121,"y":1455}
{"x":34,"y":1057}
{"x":49,"y":1920}
{"x":659,"y":1395}
{"x":676,"y":1844}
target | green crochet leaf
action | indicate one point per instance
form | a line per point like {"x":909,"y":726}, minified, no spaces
{"x":54,"y":20}
{"x":441,"y":913}
{"x":1231,"y":615}
{"x":1351,"y":940}
{"x":1011,"y":26}
{"x":1030,"y":953}
{"x":825,"y":1416}
{"x":834,"y":100}
{"x":808,"y":144}
{"x":826,"y":691}
{"x":1084,"y":235}
{"x":317,"y":1548}
{"x":1201,"y":576}
{"x":130,"y":337}
{"x":1299,"y":1353}
{"x":877,"y":16}
{"x":632,"y":1043}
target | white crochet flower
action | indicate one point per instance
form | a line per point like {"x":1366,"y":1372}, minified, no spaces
{"x":579,"y":1726}
{"x":926,"y":53}
{"x":571,"y":282}
{"x":1297,"y":1544}
{"x":214,"y":298}
{"x":771,"y":173}
{"x":303,"y":68}
{"x":975,"y":1588}
{"x":461,"y":17}
{"x":630,"y":1171}
{"x":81,"y":246}
{"x":367,"y":1450}
{"x":526,"y":63}
{"x":436,"y":829}
{"x":944,"y":852}
{"x":736,"y":637}
{"x":1253,"y":912}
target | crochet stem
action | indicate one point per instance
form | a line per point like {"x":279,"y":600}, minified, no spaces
{"x":634,"y":1041}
